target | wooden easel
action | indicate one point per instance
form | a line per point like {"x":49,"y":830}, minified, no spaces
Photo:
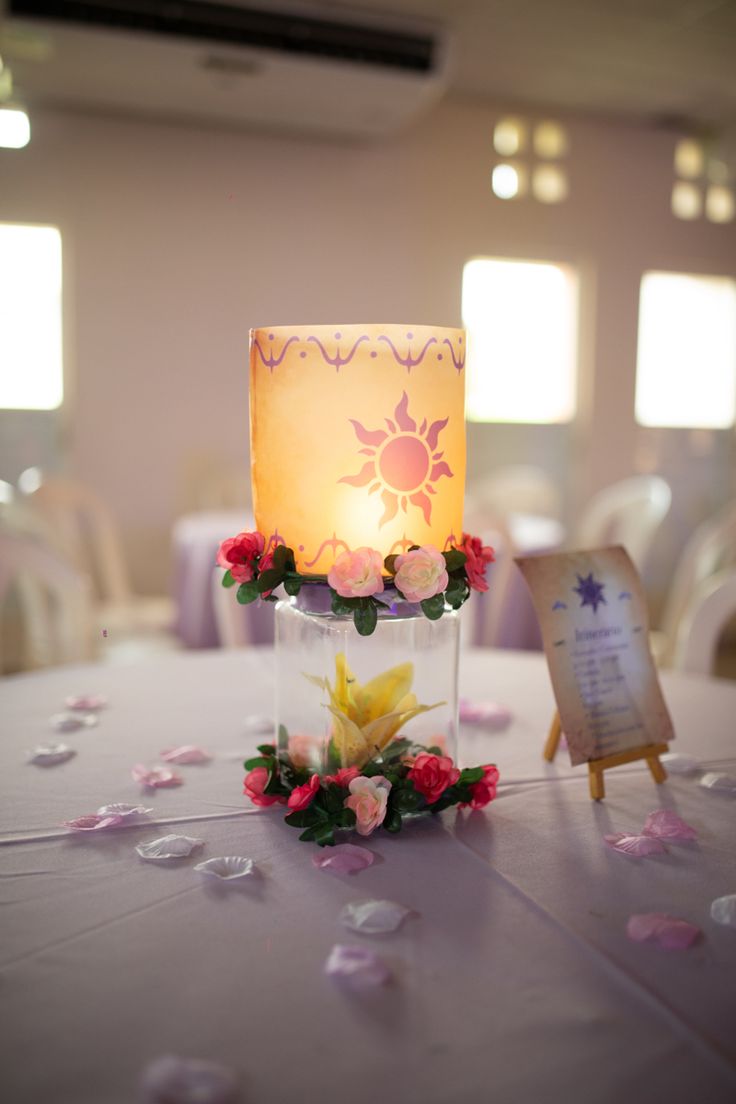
{"x":596,"y":767}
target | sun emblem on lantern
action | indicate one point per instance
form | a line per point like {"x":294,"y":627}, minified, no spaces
{"x":403,"y":463}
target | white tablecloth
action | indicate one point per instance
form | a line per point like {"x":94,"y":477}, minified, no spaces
{"x":514,"y":980}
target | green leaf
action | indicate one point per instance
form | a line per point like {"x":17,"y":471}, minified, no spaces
{"x":342,"y":605}
{"x":292,"y":585}
{"x":346,"y":819}
{"x":267,"y":749}
{"x":269,"y":579}
{"x":433,"y":608}
{"x":390,"y":564}
{"x":457,"y":592}
{"x":333,"y":798}
{"x":281,"y":555}
{"x":324,"y":835}
{"x":259,"y":761}
{"x":406,"y":800}
{"x":470,"y":775}
{"x":303,"y":818}
{"x":455,"y":559}
{"x":308,"y":834}
{"x":392,"y":823}
{"x":247,"y":593}
{"x":366,"y":619}
{"x":227,"y":579}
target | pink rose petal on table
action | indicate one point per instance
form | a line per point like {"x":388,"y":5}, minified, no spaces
{"x":670,"y":933}
{"x":92,"y":822}
{"x":86,"y":703}
{"x":358,"y":967}
{"x":636,"y":846}
{"x":485,"y":714}
{"x":346,"y":858}
{"x":174,"y":1080}
{"x":155,"y":778}
{"x":664,"y":824}
{"x":187,"y":753}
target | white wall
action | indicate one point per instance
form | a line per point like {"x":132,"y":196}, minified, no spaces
{"x":178,"y":240}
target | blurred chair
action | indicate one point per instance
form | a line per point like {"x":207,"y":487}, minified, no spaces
{"x":516,"y":489}
{"x":711,"y":607}
{"x":46,"y":611}
{"x":84,"y":531}
{"x":711,"y":549}
{"x":628,"y":513}
{"x":482,"y":618}
{"x":231,"y":619}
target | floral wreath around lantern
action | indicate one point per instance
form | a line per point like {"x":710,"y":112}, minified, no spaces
{"x":392,"y":778}
{"x":422,"y":575}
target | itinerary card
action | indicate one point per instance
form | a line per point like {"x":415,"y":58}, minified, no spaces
{"x":593,"y":615}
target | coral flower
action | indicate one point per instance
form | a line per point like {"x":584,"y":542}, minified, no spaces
{"x":301,"y":797}
{"x":432,"y":774}
{"x":238,"y":553}
{"x":477,"y":557}
{"x":255,"y":784}
{"x":484,"y":791}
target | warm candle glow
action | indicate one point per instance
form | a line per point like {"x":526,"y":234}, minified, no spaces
{"x":357,"y":438}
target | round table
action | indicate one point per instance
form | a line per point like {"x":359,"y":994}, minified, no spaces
{"x":513,"y":979}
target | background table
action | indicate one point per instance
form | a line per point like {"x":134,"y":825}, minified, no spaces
{"x":514,"y":980}
{"x":196,"y":538}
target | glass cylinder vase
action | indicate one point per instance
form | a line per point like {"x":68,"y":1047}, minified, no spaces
{"x":344,"y":700}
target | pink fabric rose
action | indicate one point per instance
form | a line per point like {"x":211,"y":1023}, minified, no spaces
{"x":368,"y":797}
{"x":301,"y":797}
{"x":484,"y":791}
{"x":477,"y":556}
{"x":254,"y":786}
{"x":302,"y":750}
{"x":432,"y":774}
{"x":357,"y":574}
{"x":421,"y":574}
{"x":344,"y":776}
{"x":238,"y":553}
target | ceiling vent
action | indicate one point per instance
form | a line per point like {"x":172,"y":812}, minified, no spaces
{"x":289,"y":67}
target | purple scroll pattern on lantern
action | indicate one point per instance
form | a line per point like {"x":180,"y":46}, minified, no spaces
{"x":459,"y":360}
{"x":332,"y":543}
{"x":409,"y":361}
{"x":338,"y":361}
{"x":274,"y":539}
{"x":272,"y":361}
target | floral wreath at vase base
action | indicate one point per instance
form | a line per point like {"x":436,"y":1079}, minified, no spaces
{"x":409,"y":780}
{"x":406,"y":779}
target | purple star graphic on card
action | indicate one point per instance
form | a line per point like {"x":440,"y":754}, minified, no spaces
{"x":590,"y":591}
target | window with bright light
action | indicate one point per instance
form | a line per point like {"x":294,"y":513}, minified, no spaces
{"x":31,"y":370}
{"x":521,"y":318}
{"x":686,"y":361}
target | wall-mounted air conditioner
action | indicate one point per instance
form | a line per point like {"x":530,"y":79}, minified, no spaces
{"x":285,"y":66}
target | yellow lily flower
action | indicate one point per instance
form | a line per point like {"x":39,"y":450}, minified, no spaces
{"x":366,"y":718}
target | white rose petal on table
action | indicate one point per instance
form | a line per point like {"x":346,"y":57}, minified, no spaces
{"x":723,"y":910}
{"x":123,"y":810}
{"x":173,"y":1080}
{"x":345,"y":858}
{"x":668,"y":932}
{"x":718,"y":782}
{"x":72,"y":722}
{"x":185,"y":755}
{"x":374,"y":917}
{"x":676,"y":763}
{"x":227,"y":868}
{"x":50,"y":755}
{"x":666,"y":825}
{"x":357,"y":967}
{"x":168,"y":848}
{"x":637,"y":847}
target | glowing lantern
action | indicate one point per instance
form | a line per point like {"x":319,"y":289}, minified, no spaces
{"x":357,"y":438}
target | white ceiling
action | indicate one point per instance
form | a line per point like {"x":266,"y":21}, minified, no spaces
{"x":661,"y":61}
{"x":651,"y":59}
